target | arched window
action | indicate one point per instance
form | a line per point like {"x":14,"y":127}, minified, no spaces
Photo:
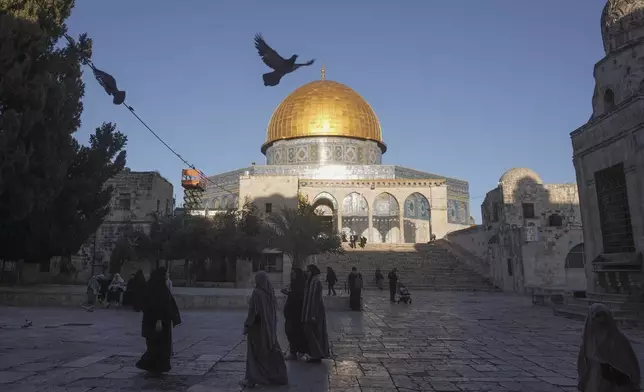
{"x":575,"y":258}
{"x":609,"y":100}
{"x":555,"y":220}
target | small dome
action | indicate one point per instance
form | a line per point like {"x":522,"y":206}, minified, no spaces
{"x":324,"y":108}
{"x":619,"y":18}
{"x":518,"y":173}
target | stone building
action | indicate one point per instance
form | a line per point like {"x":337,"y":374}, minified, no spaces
{"x":531,"y":236}
{"x":324,"y":141}
{"x":608,"y":154}
{"x":138,"y":198}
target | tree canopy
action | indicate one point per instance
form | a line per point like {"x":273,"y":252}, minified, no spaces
{"x":299,"y":233}
{"x":52,"y":189}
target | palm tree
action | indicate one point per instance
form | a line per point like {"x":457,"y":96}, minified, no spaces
{"x":299,"y":233}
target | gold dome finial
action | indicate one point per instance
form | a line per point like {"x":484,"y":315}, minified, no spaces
{"x":323,"y":72}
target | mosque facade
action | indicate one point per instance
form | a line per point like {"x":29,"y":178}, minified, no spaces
{"x":324,"y":142}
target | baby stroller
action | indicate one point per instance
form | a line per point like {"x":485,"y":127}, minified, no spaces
{"x":403,"y":294}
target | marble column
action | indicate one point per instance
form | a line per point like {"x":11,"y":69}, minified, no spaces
{"x":401,"y":213}
{"x":338,"y":215}
{"x":369,"y":236}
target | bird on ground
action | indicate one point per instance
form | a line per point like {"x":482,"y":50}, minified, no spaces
{"x":280,"y":65}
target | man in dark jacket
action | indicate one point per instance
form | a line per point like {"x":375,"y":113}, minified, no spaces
{"x":393,"y":284}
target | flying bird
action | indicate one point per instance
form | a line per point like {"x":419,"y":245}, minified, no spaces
{"x":280,"y":65}
{"x":108,"y":83}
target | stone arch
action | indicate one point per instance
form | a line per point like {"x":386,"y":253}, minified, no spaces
{"x":216,"y":203}
{"x":386,"y":219}
{"x":576,"y":257}
{"x":223,"y":203}
{"x":416,"y":220}
{"x":326,"y":195}
{"x":326,"y":207}
{"x":355,"y":214}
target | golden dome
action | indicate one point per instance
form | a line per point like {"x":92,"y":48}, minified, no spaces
{"x":324,"y":108}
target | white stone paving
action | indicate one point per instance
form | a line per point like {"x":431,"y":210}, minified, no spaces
{"x":442,"y":342}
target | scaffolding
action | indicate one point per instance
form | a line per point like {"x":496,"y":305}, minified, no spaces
{"x":194,"y":186}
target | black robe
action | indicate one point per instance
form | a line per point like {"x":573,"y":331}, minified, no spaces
{"x":293,"y":314}
{"x":158,"y":305}
{"x":355,"y":293}
{"x":314,"y":319}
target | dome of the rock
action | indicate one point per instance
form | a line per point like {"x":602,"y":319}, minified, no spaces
{"x":324,"y":108}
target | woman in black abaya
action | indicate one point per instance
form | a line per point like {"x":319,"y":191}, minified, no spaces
{"x":293,"y":314}
{"x":160,"y":315}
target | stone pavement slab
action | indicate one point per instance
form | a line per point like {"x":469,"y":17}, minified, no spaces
{"x":442,"y":342}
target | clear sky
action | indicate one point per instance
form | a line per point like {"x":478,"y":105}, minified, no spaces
{"x":466,"y":89}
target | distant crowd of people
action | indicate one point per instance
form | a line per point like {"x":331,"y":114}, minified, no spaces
{"x":111,"y":290}
{"x":354,"y":239}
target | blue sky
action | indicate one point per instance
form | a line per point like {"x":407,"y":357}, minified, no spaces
{"x":466,"y":89}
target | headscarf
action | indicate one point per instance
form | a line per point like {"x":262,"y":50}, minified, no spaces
{"x":263,"y":304}
{"x":158,"y":302}
{"x":298,"y":282}
{"x":117,"y":280}
{"x":295,"y":295}
{"x":603,"y":342}
{"x":312,"y":295}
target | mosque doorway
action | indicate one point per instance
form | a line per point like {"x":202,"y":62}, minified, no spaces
{"x":325,"y":215}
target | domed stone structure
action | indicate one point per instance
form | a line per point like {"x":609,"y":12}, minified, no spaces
{"x":323,"y":122}
{"x":622,"y":22}
{"x":324,"y":142}
{"x":519,"y":173}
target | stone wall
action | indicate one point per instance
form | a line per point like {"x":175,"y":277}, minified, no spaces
{"x":529,"y":229}
{"x":138,"y":198}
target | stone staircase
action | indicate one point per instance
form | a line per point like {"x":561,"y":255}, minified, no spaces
{"x":420,"y":266}
{"x":626,"y":310}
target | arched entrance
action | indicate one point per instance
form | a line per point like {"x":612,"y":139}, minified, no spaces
{"x":326,"y":209}
{"x":417,"y":218}
{"x":386,"y":218}
{"x":355,"y":215}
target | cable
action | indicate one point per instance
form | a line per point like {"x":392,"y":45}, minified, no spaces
{"x":90,"y":64}
{"x":203,"y":176}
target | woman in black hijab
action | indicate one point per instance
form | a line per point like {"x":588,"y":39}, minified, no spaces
{"x":135,"y":291}
{"x":160,"y":315}
{"x":293,"y":314}
{"x":314,"y":316}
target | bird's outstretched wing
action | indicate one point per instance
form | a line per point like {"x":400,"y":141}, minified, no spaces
{"x":268,"y":55}
{"x":296,"y":66}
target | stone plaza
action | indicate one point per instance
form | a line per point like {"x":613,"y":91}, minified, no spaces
{"x":444,"y":341}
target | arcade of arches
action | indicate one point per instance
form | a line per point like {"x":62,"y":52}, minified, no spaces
{"x":381,"y":220}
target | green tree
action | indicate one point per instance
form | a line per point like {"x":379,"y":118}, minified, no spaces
{"x":52,"y":189}
{"x":299,"y":233}
{"x":78,"y":211}
{"x":40,"y":104}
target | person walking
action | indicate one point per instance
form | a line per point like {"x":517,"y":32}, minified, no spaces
{"x":160,"y":315}
{"x":314,"y":316}
{"x":264,"y":360}
{"x":379,"y":279}
{"x":606,"y":360}
{"x":355,"y":289}
{"x":331,"y":280}
{"x":297,"y":344}
{"x":393,"y":284}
